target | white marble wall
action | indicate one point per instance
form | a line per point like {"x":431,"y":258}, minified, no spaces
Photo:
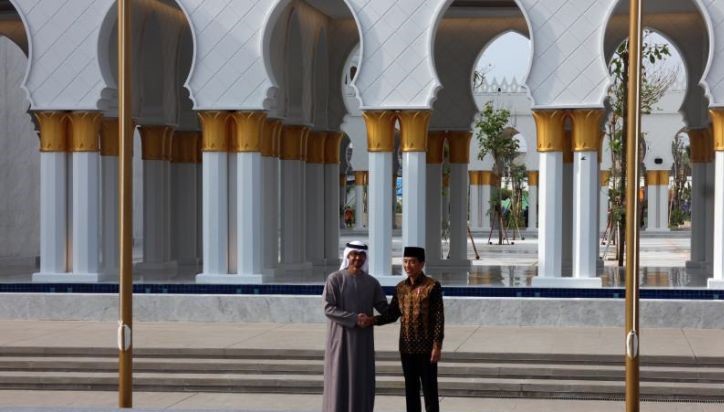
{"x":19,"y":161}
{"x":308,"y":309}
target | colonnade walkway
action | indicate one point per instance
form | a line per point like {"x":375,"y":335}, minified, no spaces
{"x":62,"y":365}
{"x":663,"y":257}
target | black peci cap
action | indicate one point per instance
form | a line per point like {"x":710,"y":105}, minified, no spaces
{"x":415,"y":252}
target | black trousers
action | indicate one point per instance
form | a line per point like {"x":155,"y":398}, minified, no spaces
{"x":418,"y":369}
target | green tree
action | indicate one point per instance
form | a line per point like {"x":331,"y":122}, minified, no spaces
{"x":681,"y":169}
{"x":655,"y":82}
{"x":518,"y":174}
{"x":492,"y":140}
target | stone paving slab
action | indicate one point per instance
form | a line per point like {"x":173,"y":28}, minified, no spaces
{"x":58,"y":401}
{"x":687,"y":343}
{"x":692,"y":343}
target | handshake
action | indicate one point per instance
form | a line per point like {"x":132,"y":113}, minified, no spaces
{"x":364,"y":320}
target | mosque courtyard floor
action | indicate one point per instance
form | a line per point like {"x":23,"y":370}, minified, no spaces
{"x":663,"y":259}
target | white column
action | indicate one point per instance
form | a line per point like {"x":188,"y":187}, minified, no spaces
{"x":270,"y":212}
{"x":718,"y":250}
{"x":314,"y":219}
{"x":380,"y":213}
{"x":184,"y":191}
{"x":166,"y":211}
{"x":414,"y":173}
{"x":458,"y":212}
{"x":585,"y":201}
{"x":550,"y":237}
{"x":433,"y":234}
{"x":664,"y":206}
{"x":486,"y":192}
{"x":359,"y":207}
{"x":200,"y":213}
{"x":248,"y":217}
{"x":474,"y":207}
{"x":292,"y":242}
{"x":331,"y":216}
{"x":603,"y":209}
{"x":154,"y":256}
{"x":567,"y":220}
{"x":652,"y":218}
{"x":341,"y":197}
{"x":53,"y":212}
{"x":232,"y":223}
{"x":698,"y":216}
{"x":86,"y":221}
{"x":533,"y":208}
{"x":710,"y":195}
{"x":215,"y":216}
{"x":109,"y":207}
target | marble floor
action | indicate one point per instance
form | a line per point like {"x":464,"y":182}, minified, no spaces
{"x":662,"y":265}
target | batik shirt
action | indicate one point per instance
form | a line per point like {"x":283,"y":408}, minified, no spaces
{"x":420,"y":310}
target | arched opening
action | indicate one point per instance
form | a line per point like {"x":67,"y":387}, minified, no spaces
{"x":504,"y":61}
{"x":19,"y":159}
{"x":19,"y":162}
{"x":294,"y":73}
{"x":675,"y":49}
{"x":320,"y":103}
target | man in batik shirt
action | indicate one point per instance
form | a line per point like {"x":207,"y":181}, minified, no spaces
{"x":418,"y":303}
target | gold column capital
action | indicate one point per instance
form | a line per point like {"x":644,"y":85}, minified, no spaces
{"x":549,"y":130}
{"x":305,"y":143}
{"x":53,"y":131}
{"x":86,"y":128}
{"x":488,"y":178}
{"x":277,"y":146}
{"x":459,"y":144}
{"x":153,"y":142}
{"x":533,"y":178}
{"x":109,"y":137}
{"x":663,"y":177}
{"x":332,"y":147}
{"x":168,"y":137}
{"x":292,"y":143}
{"x":360,"y":178}
{"x":214,"y":131}
{"x":247,"y":132}
{"x":604,"y":177}
{"x":701,"y":144}
{"x":413,"y":130}
{"x":315,"y":147}
{"x":586,"y":129}
{"x":435,"y":143}
{"x":475,"y":178}
{"x":652,"y":177}
{"x":717,"y":122}
{"x":269,"y":134}
{"x":380,"y":130}
{"x":184,"y":147}
{"x":567,"y":146}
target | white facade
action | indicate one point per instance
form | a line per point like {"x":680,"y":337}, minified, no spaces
{"x":276,"y":57}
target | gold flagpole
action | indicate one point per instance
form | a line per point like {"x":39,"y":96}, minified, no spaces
{"x":633,"y":131}
{"x":125,"y":176}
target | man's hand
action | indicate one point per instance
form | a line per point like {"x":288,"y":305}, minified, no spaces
{"x":363,"y":320}
{"x":436,"y":355}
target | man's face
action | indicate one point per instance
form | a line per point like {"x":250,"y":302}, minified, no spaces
{"x":413,"y":266}
{"x":356,"y":259}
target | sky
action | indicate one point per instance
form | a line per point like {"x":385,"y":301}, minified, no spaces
{"x":509,"y":56}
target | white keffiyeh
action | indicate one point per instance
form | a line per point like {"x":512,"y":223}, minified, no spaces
{"x":356,"y":246}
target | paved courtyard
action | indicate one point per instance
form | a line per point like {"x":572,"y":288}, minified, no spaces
{"x":689,"y":343}
{"x":663,"y":258}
